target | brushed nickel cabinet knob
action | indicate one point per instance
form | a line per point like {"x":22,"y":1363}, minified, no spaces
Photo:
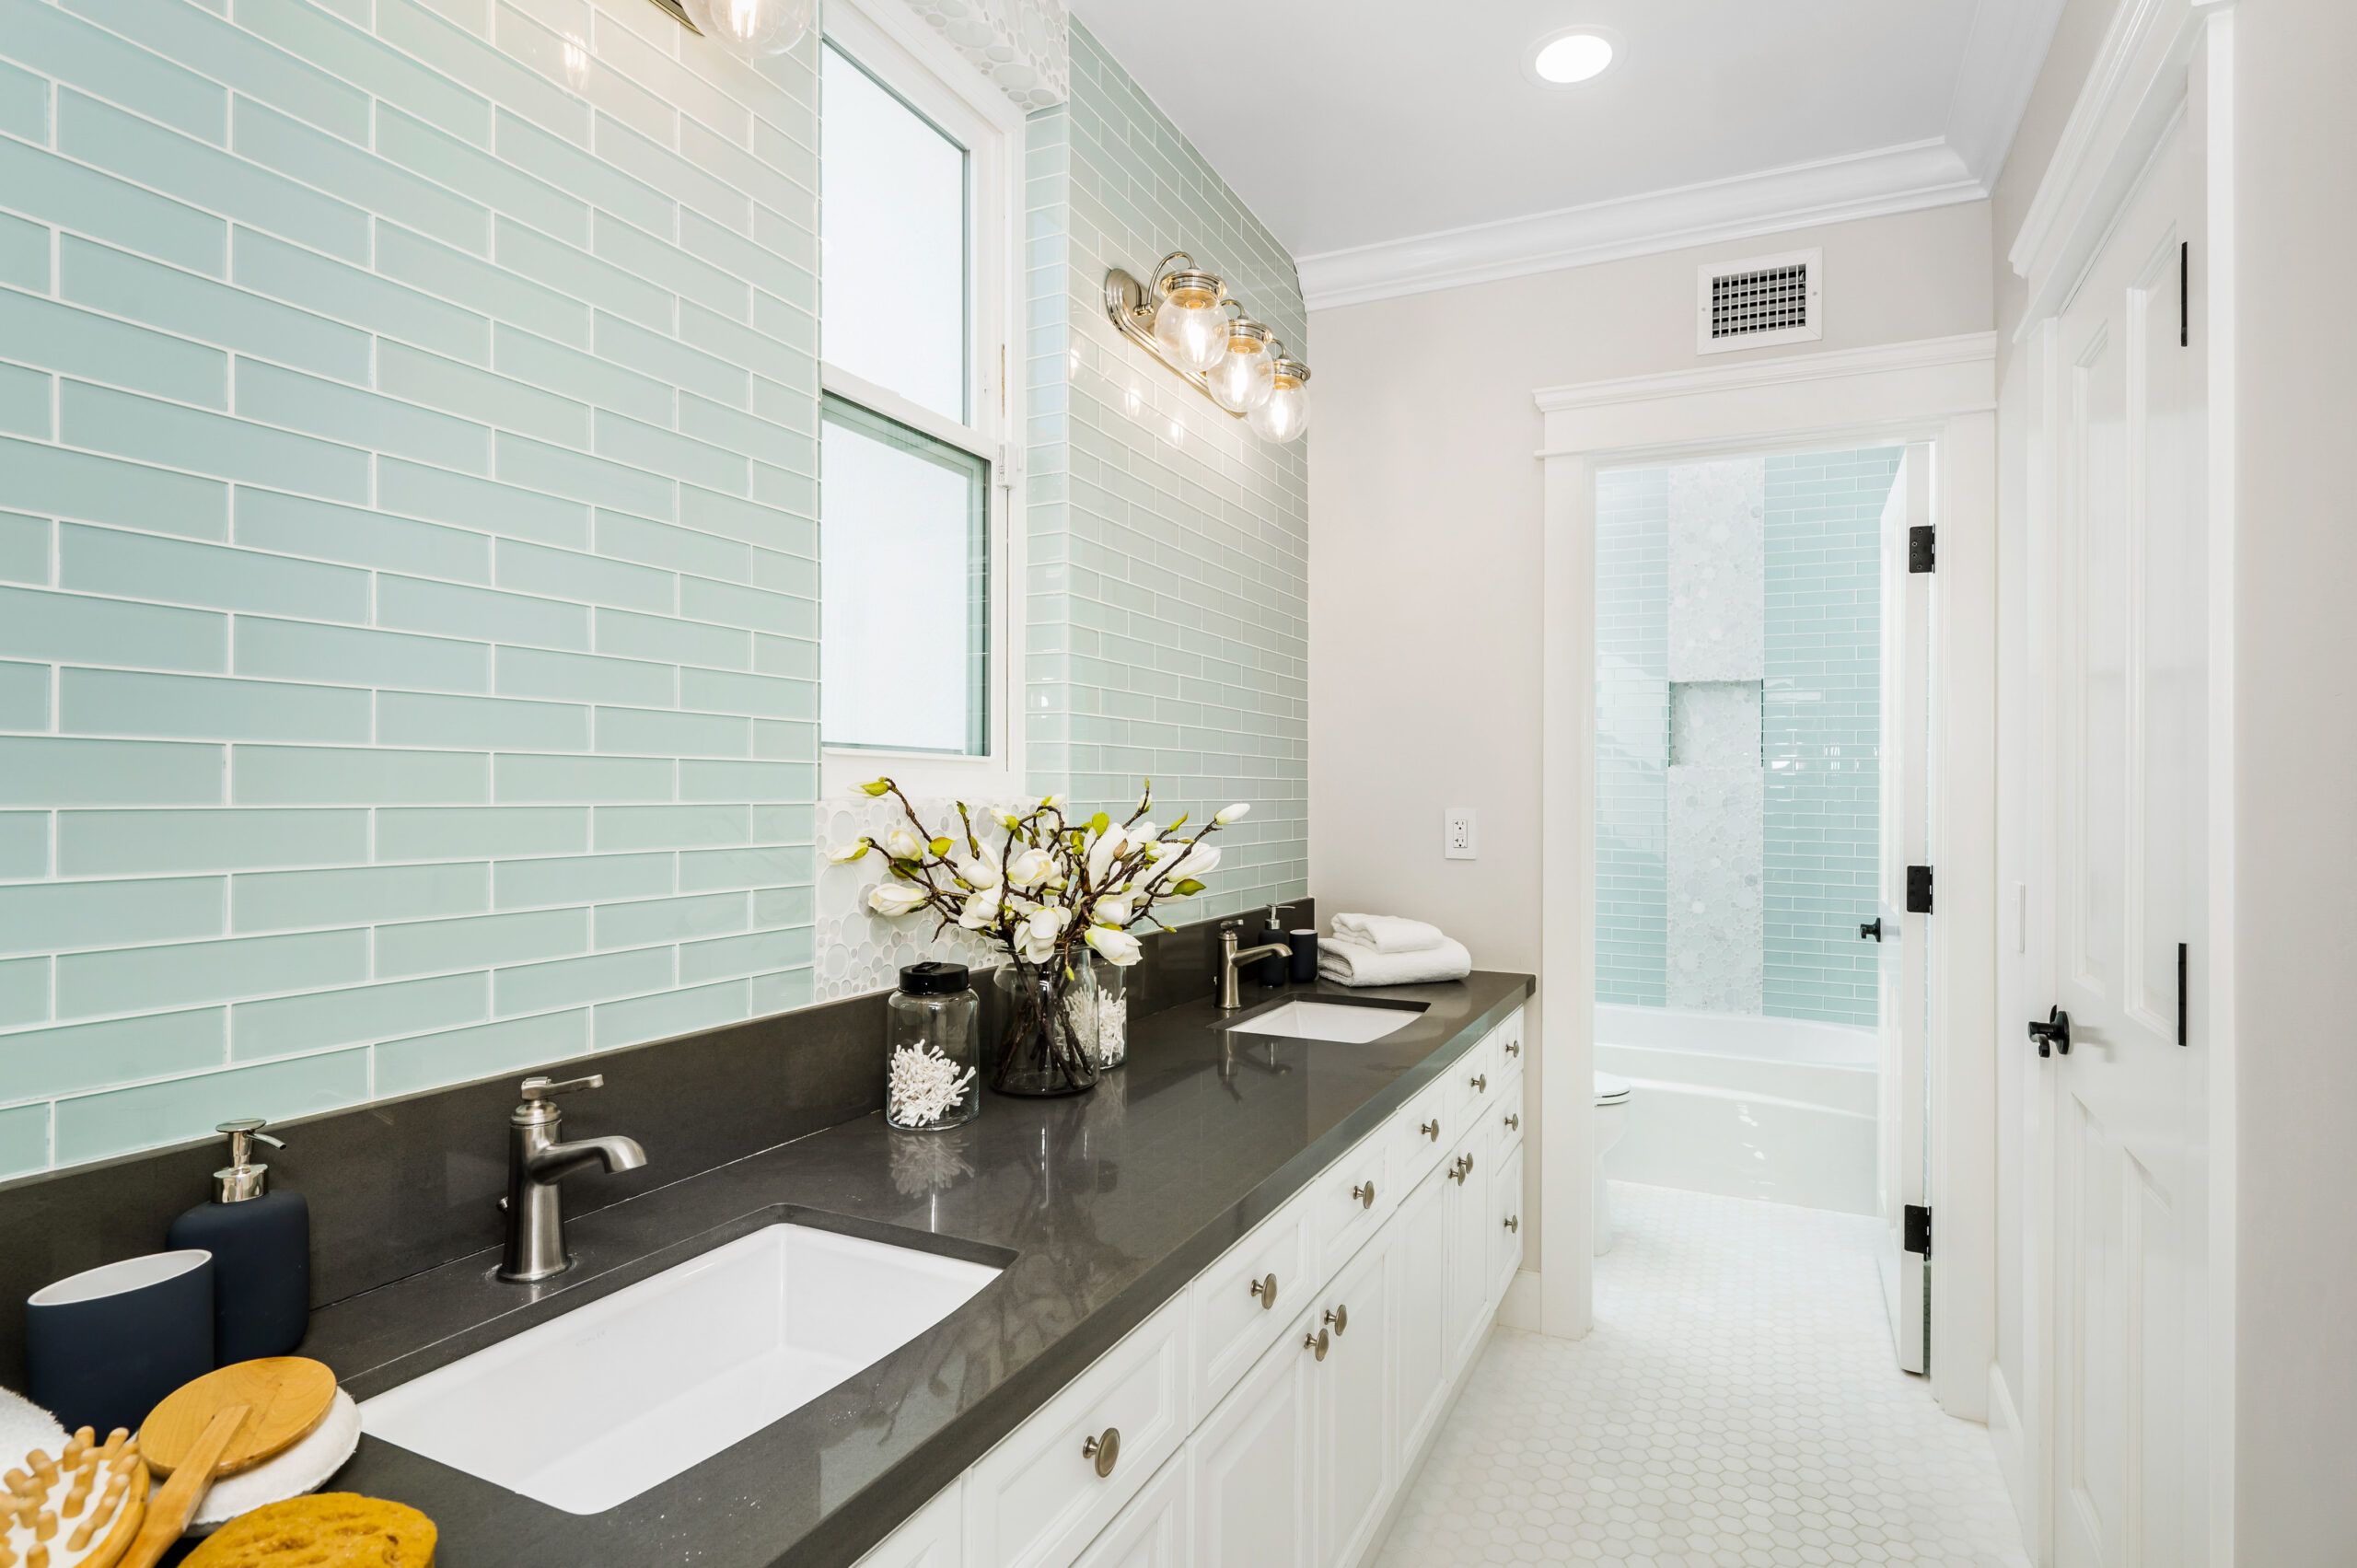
{"x":1364,"y":1194}
{"x":1266,"y":1289}
{"x":1340,"y":1320}
{"x":1105,"y":1451}
{"x":1431,"y":1129}
{"x":1514,"y":1222}
{"x":1317,"y":1343}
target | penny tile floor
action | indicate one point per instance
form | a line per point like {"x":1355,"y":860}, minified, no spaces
{"x":1737,"y":1406}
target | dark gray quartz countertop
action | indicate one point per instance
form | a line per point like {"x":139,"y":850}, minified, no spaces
{"x":1101,"y":1207}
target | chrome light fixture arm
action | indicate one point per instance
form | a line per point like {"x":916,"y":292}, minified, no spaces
{"x":1131,"y":306}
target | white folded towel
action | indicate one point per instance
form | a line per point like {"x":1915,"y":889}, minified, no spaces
{"x":1388,"y":932}
{"x":1355,"y":963}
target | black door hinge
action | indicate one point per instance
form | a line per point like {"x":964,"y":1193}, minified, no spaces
{"x":1922,"y":549}
{"x":1919,"y":889}
{"x":1918,"y":1239}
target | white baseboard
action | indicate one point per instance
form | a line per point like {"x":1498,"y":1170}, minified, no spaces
{"x":2013,"y":1451}
{"x":1519,"y":1310}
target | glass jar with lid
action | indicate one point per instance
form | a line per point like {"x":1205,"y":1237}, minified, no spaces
{"x":933,"y":1053}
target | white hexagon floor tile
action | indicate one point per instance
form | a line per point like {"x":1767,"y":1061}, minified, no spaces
{"x":1737,"y":1406}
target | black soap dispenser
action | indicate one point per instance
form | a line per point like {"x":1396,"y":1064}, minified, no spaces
{"x":261,"y":1243}
{"x":1273,"y":970}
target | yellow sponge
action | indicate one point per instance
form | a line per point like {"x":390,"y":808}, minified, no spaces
{"x":334,"y":1529}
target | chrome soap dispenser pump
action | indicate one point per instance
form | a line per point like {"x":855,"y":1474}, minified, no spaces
{"x":261,"y":1243}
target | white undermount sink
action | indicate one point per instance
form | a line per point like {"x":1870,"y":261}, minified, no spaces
{"x":591,"y":1409}
{"x":1329,"y":1021}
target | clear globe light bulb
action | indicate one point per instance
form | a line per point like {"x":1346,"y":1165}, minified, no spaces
{"x":1287,"y":413}
{"x":1191,"y":321}
{"x":752,"y":29}
{"x":1246,"y":374}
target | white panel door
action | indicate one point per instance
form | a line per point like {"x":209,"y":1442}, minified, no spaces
{"x":1419,"y":1327}
{"x":1354,"y":1404}
{"x":1255,"y":1463}
{"x":1505,"y":1218}
{"x":1156,"y":1529}
{"x":1467,"y":1178}
{"x":1905,"y":938}
{"x":2131,"y":643}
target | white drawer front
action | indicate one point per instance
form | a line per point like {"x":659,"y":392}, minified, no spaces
{"x":1475,"y":1082}
{"x":1038,"y":1499}
{"x":1513,"y":1049}
{"x":1351,"y":1198}
{"x":1421,"y":1134}
{"x":1157,"y":1529}
{"x":1505,"y":1117}
{"x":932,"y":1538}
{"x":1237,"y":1312}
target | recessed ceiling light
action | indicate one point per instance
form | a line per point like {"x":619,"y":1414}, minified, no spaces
{"x":1568,"y":59}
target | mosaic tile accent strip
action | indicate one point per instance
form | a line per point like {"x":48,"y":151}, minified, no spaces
{"x":1821,"y":729}
{"x":407,"y":519}
{"x":1024,"y":46}
{"x":859,"y":951}
{"x":1715,"y":723}
{"x":1632,"y":726}
{"x":1715,"y":951}
{"x":1737,"y":1406}
{"x":1168,"y":637}
{"x":1715,"y":511}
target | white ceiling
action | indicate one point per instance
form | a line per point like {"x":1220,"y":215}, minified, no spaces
{"x":1395,"y":146}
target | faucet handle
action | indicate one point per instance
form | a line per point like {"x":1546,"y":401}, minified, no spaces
{"x":540,"y":1088}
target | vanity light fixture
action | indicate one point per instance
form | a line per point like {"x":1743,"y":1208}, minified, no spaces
{"x":750,"y":30}
{"x":1235,"y":361}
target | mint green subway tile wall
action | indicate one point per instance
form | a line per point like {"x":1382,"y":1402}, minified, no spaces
{"x":1168,"y":545}
{"x":408,"y":557}
{"x":1632,"y":736}
{"x":1821,"y":729}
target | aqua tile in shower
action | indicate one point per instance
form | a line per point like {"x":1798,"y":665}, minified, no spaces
{"x":53,"y":190}
{"x":24,"y":991}
{"x":404,"y":1066}
{"x":138,"y":566}
{"x":138,"y":979}
{"x":568,"y":982}
{"x":150,"y":1115}
{"x":229,"y":55}
{"x":414,"y":718}
{"x":312,"y":34}
{"x":668,"y":359}
{"x":67,"y":49}
{"x":147,"y":843}
{"x":487,"y":505}
{"x":268,"y":521}
{"x":458,"y":164}
{"x":667,"y":546}
{"x":355,"y":1015}
{"x":448,"y":273}
{"x":24,"y":696}
{"x":572,"y":575}
{"x":582,"y":880}
{"x":24,"y":104}
{"x":433,"y":381}
{"x":665,"y":732}
{"x":535,"y":465}
{"x":486,"y":614}
{"x":36,"y":478}
{"x":197,"y":307}
{"x":344,"y":414}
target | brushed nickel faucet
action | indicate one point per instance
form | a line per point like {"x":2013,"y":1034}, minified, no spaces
{"x":536,"y":1162}
{"x":1230,"y":998}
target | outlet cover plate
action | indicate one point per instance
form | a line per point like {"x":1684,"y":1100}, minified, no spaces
{"x":1457,"y":840}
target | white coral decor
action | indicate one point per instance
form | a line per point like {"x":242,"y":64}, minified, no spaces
{"x":924,"y":1085}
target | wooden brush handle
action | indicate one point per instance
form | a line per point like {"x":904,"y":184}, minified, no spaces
{"x":171,"y":1509}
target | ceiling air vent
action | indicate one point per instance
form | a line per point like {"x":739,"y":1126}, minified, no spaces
{"x":1760,"y":301}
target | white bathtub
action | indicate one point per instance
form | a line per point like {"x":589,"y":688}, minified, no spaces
{"x":1779,"y":1108}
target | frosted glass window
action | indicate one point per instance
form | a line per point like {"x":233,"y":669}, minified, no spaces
{"x":904,"y":561}
{"x":893,"y":251}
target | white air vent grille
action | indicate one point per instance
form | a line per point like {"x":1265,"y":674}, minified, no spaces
{"x":1764,"y":300}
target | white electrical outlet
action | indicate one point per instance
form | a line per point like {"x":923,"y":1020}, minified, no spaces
{"x":1457,"y":840}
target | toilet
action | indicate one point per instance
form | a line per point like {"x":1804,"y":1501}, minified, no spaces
{"x":1612,"y":1121}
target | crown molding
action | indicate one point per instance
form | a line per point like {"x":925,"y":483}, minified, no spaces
{"x":1893,"y":179}
{"x":1879,"y":359}
{"x":1992,"y":89}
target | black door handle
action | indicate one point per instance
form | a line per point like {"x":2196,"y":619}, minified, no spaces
{"x":1871,"y":929}
{"x":2052,"y":1035}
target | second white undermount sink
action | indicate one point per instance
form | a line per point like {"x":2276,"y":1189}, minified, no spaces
{"x":589,"y":1410}
{"x":1329,"y":1021}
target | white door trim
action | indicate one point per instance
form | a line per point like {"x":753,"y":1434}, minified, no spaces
{"x":2160,"y":58}
{"x":1939,"y":389}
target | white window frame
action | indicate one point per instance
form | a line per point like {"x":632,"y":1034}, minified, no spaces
{"x":888,"y":41}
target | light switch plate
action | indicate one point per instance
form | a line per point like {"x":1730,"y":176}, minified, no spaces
{"x":1457,"y":836}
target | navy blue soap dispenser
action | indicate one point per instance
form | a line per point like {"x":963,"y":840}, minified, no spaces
{"x":261,"y":1243}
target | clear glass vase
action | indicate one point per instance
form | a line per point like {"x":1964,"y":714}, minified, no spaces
{"x":1044,"y":1050}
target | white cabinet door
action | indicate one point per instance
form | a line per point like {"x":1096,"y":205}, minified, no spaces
{"x":1255,"y":1464}
{"x":1419,"y":1243}
{"x":1157,"y":1528}
{"x":932,"y":1537}
{"x":1505,"y":1219}
{"x":1467,"y":1178}
{"x":1354,"y":1404}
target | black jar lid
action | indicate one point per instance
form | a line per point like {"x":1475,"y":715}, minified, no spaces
{"x":933,"y":977}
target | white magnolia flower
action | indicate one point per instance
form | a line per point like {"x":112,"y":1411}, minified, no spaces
{"x":1118,"y":946}
{"x":1036,"y":938}
{"x":1030,"y":868}
{"x":981,"y":912}
{"x":1236,"y":813}
{"x":851,"y":852}
{"x":894,"y":898}
{"x":1197,"y":863}
{"x":1051,"y":803}
{"x":1117,"y":910}
{"x":979,"y":872}
{"x":1110,"y":845}
{"x":1007,"y":817}
{"x":901,"y":844}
